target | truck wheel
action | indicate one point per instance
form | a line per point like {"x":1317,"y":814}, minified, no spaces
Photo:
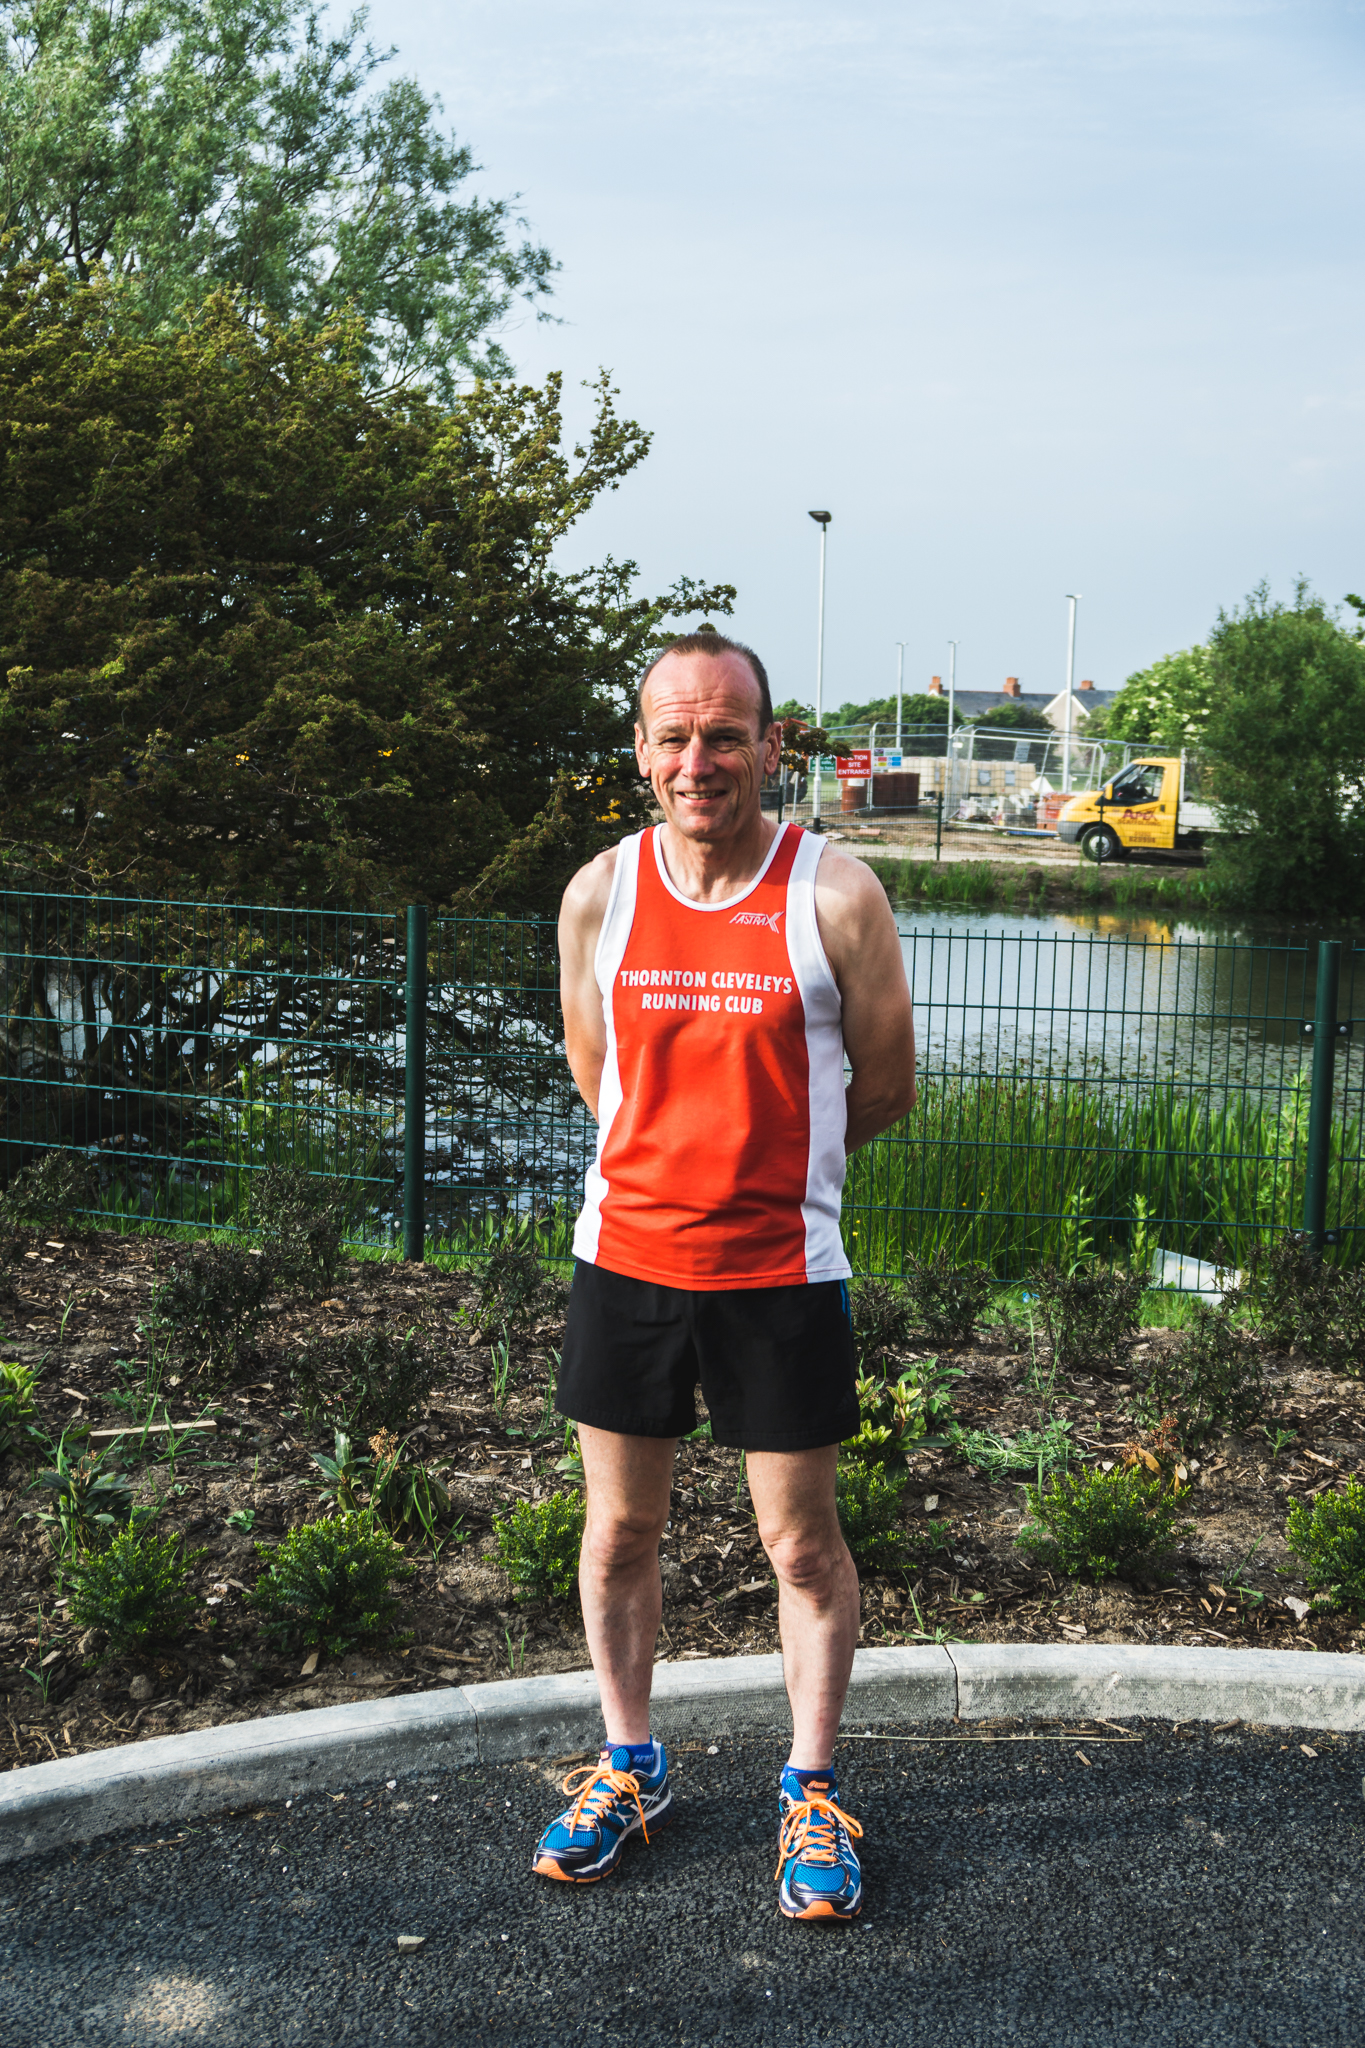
{"x":1102,"y":842}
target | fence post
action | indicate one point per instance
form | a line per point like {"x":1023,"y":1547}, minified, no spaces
{"x":415,"y":1088}
{"x":1324,"y":1035}
{"x":938,"y":829}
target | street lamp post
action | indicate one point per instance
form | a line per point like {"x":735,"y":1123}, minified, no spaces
{"x":900,"y":688}
{"x":949,"y":764}
{"x":822,"y":520}
{"x":1070,"y":687}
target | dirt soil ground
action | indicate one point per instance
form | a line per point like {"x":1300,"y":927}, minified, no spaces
{"x":74,"y":1310}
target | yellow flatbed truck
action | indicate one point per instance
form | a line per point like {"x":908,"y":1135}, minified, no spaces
{"x":1145,"y":807}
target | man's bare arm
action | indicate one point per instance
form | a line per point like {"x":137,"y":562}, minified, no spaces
{"x":863,"y":948}
{"x":580,"y":926}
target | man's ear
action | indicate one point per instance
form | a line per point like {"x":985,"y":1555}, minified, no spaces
{"x":642,"y":751}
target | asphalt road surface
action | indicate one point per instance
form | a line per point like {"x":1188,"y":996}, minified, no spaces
{"x":1187,"y":1887}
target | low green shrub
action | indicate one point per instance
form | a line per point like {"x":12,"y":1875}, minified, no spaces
{"x":343,"y":1473}
{"x":18,"y":1409}
{"x":1095,"y":1524}
{"x":407,"y":1496}
{"x":1300,"y":1300}
{"x":882,"y":1322}
{"x":215,"y":1296}
{"x":92,"y":1497}
{"x":511,"y":1285}
{"x":1089,"y":1316}
{"x":134,"y":1588}
{"x":946,"y":1299}
{"x":328,"y":1584}
{"x":538,"y":1546}
{"x":363,"y":1381}
{"x":1329,"y":1542}
{"x":898,"y":1415}
{"x":869,"y":1501}
{"x":1210,"y":1381}
{"x":302,"y":1221}
{"x":53,"y":1191}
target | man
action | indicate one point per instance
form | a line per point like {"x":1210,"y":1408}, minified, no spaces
{"x":717,"y":969}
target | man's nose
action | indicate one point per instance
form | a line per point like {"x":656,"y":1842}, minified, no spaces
{"x":696,"y":757}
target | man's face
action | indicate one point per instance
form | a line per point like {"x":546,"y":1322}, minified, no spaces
{"x":701,"y":746}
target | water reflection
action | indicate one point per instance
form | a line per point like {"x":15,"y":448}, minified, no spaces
{"x":1137,"y":1000}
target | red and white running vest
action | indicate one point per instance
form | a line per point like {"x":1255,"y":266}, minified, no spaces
{"x":720,"y":1143}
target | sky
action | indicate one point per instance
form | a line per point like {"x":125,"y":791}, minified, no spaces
{"x":1034,"y":298}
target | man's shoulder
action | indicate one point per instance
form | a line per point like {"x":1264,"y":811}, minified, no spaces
{"x":853,"y":912}
{"x":586,"y":898}
{"x":845,"y":883}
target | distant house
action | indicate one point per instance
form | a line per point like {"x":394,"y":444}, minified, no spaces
{"x":1050,"y":709}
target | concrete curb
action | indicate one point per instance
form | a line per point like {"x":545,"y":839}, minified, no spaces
{"x":175,"y":1777}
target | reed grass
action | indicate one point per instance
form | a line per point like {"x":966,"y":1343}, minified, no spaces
{"x":978,"y":884}
{"x":1017,"y":1173}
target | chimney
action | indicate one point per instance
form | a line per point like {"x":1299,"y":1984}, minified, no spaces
{"x":935,"y":686}
{"x":1011,"y":686}
{"x":1087,"y":686}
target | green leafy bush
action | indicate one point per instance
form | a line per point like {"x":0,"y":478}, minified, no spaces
{"x":869,"y":1502}
{"x":1211,"y":1381}
{"x":407,"y":1497}
{"x":511,"y":1283}
{"x":1089,"y":1316}
{"x":329,"y":1583}
{"x":882,"y":1322}
{"x":18,"y":1409}
{"x":946,"y":1299}
{"x":92,"y":1497}
{"x":342,"y":1473}
{"x":134,"y":1588}
{"x":1329,"y":1541}
{"x":363,"y":1381}
{"x":53,"y":1191}
{"x":898,"y":1415}
{"x":212,"y":1302}
{"x":538,"y":1546}
{"x":1094,"y":1524}
{"x":302,"y":1221}
{"x":1299,"y":1299}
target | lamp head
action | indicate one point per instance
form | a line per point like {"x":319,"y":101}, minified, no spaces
{"x":822,"y":518}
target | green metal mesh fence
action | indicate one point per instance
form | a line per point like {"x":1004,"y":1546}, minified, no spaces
{"x":185,"y":1046}
{"x":1123,"y":1094}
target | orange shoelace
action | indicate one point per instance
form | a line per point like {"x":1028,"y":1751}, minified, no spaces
{"x":599,"y":1788}
{"x":808,"y":1832}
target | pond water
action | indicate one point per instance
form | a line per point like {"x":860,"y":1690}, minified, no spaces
{"x":1136,"y":999}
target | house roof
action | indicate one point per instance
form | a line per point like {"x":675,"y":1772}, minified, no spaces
{"x":974,"y":703}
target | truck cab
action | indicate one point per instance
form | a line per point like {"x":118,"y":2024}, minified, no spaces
{"x":1144,"y":806}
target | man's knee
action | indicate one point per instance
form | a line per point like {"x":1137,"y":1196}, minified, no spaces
{"x":807,"y":1560}
{"x":616,"y":1538}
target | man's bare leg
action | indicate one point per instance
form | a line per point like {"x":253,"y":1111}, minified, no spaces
{"x":629,"y":1481}
{"x":818,"y":1609}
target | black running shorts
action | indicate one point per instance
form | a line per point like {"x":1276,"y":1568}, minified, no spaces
{"x":775,"y":1363}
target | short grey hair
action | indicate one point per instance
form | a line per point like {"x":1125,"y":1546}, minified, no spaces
{"x":709,"y":641}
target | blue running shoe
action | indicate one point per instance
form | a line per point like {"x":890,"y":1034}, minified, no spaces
{"x":608,"y":1802}
{"x":816,"y":1861}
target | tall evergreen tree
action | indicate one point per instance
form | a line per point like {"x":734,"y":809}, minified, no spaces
{"x":185,"y":146}
{"x":267,"y":634}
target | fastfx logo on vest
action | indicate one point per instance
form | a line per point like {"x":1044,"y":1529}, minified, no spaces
{"x":758,"y":917}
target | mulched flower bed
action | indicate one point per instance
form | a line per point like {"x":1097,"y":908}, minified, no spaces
{"x":73,"y":1309}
